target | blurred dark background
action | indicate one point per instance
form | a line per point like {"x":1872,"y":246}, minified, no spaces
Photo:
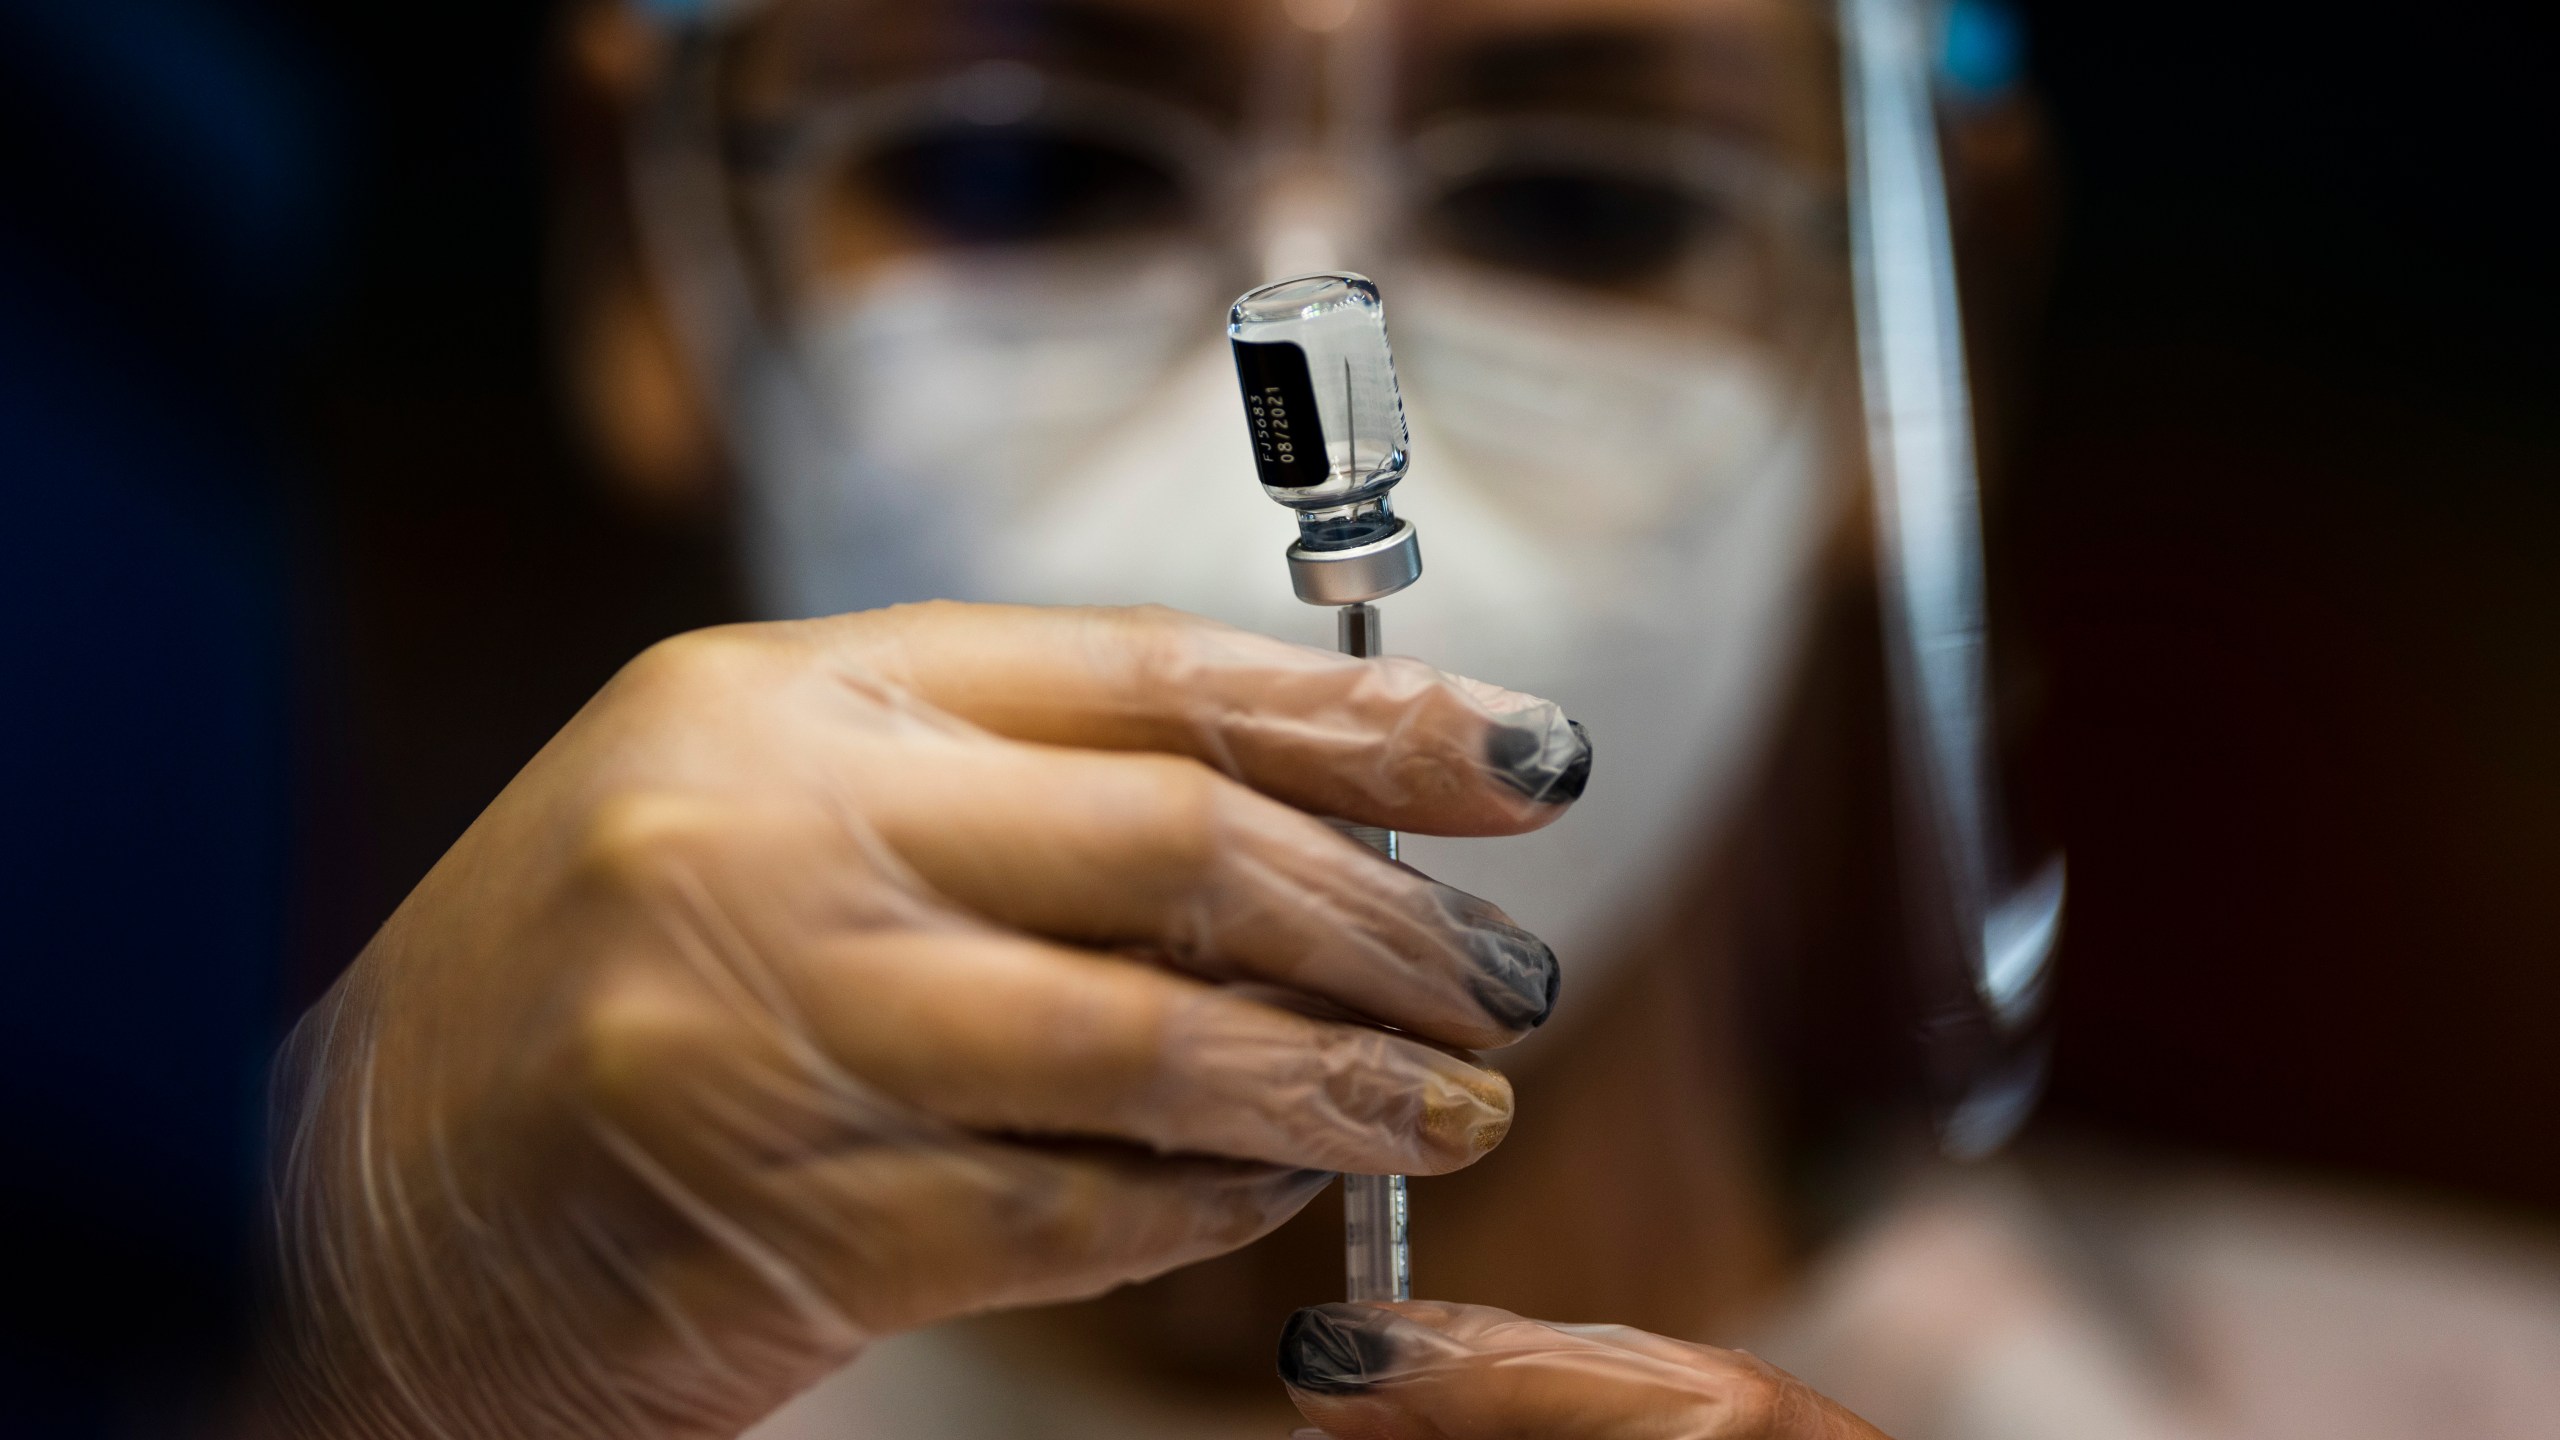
{"x":2288,"y":529}
{"x":300,"y":567}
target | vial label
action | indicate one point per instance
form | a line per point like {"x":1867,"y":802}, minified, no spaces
{"x":1280,"y":409}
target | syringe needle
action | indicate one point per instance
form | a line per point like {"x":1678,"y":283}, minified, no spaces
{"x":1350,"y":421}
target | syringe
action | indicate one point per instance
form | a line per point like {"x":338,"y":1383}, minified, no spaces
{"x":1329,"y":442}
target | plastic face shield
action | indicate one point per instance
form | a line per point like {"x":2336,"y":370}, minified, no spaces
{"x":1764,"y":172}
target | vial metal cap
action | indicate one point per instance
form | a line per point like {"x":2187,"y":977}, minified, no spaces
{"x":1360,"y":573}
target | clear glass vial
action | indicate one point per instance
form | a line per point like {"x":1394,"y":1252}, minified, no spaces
{"x":1327,"y":427}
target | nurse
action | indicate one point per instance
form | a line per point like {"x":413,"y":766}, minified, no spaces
{"x":887,"y":963}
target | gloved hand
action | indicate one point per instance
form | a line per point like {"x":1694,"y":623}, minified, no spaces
{"x":1420,"y":1370}
{"x":824,"y":980}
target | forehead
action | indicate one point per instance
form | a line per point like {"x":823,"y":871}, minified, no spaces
{"x":1726,"y":59}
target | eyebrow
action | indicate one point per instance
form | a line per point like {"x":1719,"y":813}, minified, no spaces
{"x":1576,"y":66}
{"x":1720,"y":75}
{"x":1145,"y":48}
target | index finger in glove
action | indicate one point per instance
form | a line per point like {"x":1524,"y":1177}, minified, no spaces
{"x":1388,"y":742}
{"x":1423,"y":1371}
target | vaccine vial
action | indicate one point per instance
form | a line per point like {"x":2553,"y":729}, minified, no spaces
{"x":1327,"y":428}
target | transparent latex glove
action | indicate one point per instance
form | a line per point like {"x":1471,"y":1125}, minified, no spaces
{"x":823,"y":980}
{"x":1421,"y":1370}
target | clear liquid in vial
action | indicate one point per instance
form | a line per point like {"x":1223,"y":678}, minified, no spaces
{"x":1321,"y":403}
